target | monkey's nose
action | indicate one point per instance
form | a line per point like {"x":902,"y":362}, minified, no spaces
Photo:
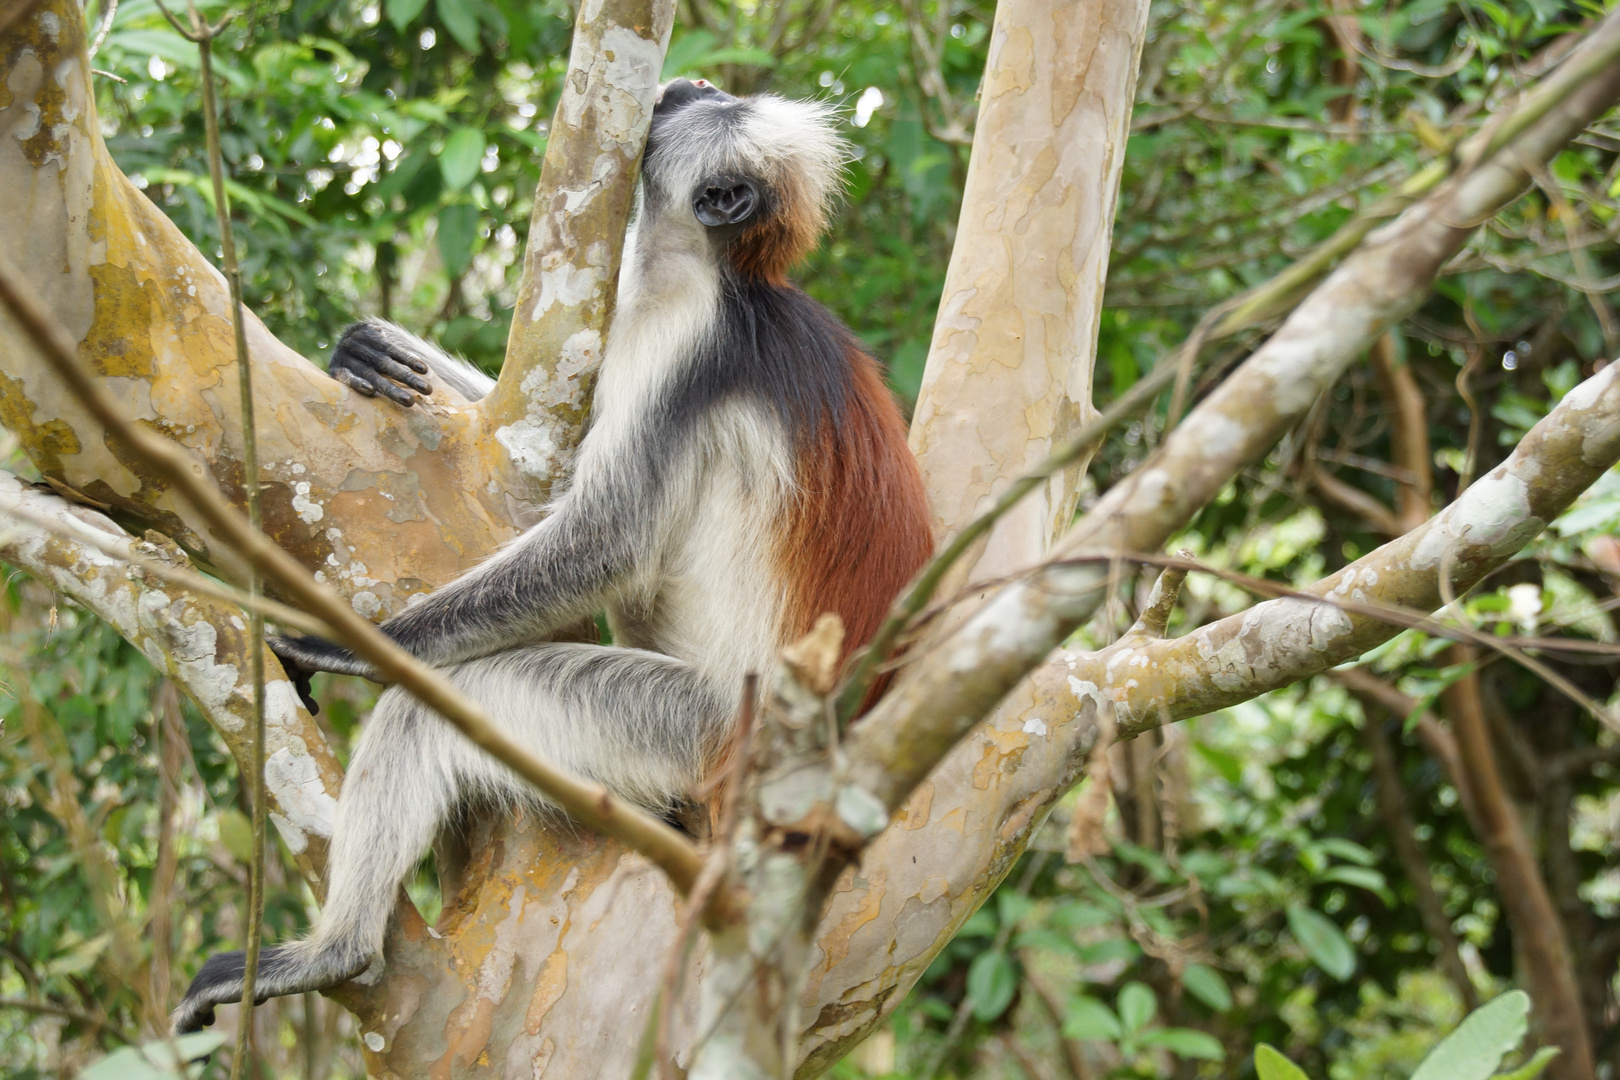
{"x":726,"y":201}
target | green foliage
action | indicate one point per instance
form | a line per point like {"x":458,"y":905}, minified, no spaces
{"x":1473,"y":1051}
{"x":161,"y":1059}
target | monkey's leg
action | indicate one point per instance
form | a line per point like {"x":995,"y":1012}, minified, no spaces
{"x":403,"y":779}
{"x":644,"y":724}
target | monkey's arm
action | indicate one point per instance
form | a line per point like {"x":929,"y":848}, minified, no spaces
{"x":375,"y":357}
{"x":596,"y":538}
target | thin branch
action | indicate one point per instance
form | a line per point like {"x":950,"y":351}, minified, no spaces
{"x":102,"y":31}
{"x":124,"y":547}
{"x":592,"y":804}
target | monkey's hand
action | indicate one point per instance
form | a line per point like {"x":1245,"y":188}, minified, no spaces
{"x":302,"y":657}
{"x":371,"y":361}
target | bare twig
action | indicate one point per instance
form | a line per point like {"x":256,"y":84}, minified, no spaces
{"x":122,"y":546}
{"x":202,"y":33}
{"x":107,"y":17}
{"x":50,"y":1008}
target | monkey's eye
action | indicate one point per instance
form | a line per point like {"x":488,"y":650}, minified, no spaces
{"x":726,"y":201}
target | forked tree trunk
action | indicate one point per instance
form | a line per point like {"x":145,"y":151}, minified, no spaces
{"x":540,"y":961}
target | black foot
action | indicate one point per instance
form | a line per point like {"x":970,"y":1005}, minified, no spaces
{"x":303,"y":656}
{"x":283,"y":969}
{"x":218,"y":983}
{"x":371,"y":361}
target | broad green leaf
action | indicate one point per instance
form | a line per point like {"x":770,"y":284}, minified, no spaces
{"x":1185,"y":1042}
{"x":1228,"y":765}
{"x":460,"y":18}
{"x":236,"y":833}
{"x":1477,"y":1047}
{"x":1532,"y":1068}
{"x":458,"y":229}
{"x":404,"y":12}
{"x":156,"y":1060}
{"x":687,"y":51}
{"x":992,"y":980}
{"x":1322,"y":941}
{"x":1270,"y":1064}
{"x":1205,"y":983}
{"x":462,"y":156}
{"x":1136,"y":1006}
{"x":126,"y":1064}
{"x":1090,"y":1019}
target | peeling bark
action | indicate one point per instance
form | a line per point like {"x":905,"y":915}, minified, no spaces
{"x":384,"y":502}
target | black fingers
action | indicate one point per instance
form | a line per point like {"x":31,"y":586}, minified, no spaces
{"x":370,"y":362}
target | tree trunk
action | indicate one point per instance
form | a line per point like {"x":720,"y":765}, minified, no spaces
{"x":540,"y":961}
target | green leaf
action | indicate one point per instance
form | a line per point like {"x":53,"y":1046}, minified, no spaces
{"x":458,"y":229}
{"x":1322,"y":941}
{"x":1205,"y":983}
{"x":1090,"y":1019}
{"x":1185,"y":1042}
{"x":1359,"y":876}
{"x":1477,"y":1047}
{"x":1136,"y":1006}
{"x":992,"y":980}
{"x":1270,"y":1064}
{"x":687,"y":51}
{"x":1532,"y":1068}
{"x":1347,"y":850}
{"x":461,"y":20}
{"x":462,"y":156}
{"x":404,"y":12}
{"x":155,"y":1060}
{"x":1228,"y":765}
{"x":236,"y":833}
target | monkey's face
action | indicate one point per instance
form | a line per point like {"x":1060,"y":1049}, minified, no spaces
{"x":751,"y":176}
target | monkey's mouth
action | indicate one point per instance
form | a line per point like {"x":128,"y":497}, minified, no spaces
{"x":727,"y":200}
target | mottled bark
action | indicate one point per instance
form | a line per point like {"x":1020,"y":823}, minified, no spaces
{"x":198,"y":642}
{"x":576,"y":235}
{"x":1009,"y":372}
{"x":963,"y":678}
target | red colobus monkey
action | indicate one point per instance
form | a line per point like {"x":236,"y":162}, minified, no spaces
{"x":745,"y":470}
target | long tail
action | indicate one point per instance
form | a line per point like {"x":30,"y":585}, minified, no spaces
{"x":382,"y":827}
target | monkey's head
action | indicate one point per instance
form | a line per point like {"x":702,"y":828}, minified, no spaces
{"x":754,"y":176}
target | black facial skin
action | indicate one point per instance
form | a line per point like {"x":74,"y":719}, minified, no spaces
{"x":682,"y":92}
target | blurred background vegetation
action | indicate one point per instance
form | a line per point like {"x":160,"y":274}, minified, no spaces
{"x":1306,"y":870}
